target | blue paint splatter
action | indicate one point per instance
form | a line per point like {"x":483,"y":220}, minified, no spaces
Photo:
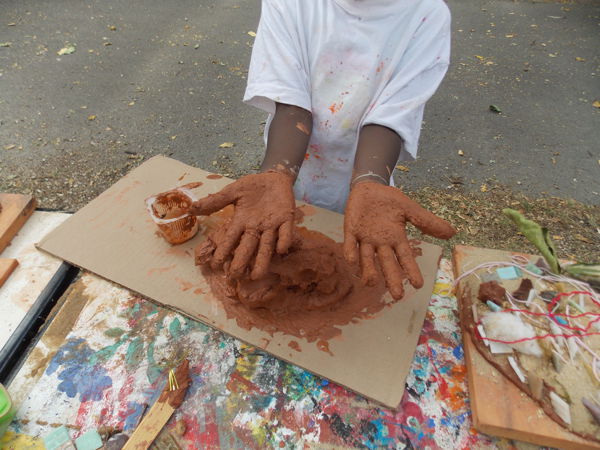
{"x":134,"y":413}
{"x":458,"y":351}
{"x":77,"y":374}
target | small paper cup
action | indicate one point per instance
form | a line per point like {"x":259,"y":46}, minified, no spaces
{"x":170,"y":213}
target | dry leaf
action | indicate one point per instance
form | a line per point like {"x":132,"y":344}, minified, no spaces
{"x":483,"y":188}
{"x":226,"y":145}
{"x":582,"y":238}
{"x":9,"y":147}
{"x":552,"y":55}
{"x":480,"y":58}
{"x":4,"y":44}
{"x":112,"y":28}
{"x":66,"y":50}
{"x":578,"y":58}
{"x":556,"y":237}
{"x":461,"y":153}
{"x":402,"y":168}
{"x":251,"y":33}
{"x":131,"y":103}
{"x":92,"y":117}
{"x":596,"y":103}
{"x":509,"y":35}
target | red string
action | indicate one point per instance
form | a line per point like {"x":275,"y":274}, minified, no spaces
{"x":553,"y":317}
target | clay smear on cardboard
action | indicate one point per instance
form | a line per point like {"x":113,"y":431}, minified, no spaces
{"x":309,"y":292}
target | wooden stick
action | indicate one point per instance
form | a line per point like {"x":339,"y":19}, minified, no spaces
{"x":157,"y":417}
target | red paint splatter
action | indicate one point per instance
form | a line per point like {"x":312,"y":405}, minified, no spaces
{"x":214,"y":176}
{"x":238,"y":383}
{"x":198,"y":291}
{"x":335,"y":107}
{"x":306,"y":156}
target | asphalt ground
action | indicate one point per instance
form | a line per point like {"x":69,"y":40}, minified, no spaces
{"x":158,"y":77}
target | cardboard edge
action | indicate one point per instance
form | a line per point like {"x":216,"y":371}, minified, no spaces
{"x":394,"y":404}
{"x":567,"y":441}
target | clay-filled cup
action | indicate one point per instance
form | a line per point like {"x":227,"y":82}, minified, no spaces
{"x":170,"y":212}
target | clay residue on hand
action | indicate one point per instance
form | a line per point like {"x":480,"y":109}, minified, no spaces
{"x":175,"y":397}
{"x":309,"y":292}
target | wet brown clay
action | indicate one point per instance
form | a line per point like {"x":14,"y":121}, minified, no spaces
{"x":262,"y":221}
{"x":522,"y":291}
{"x":374,"y":225}
{"x":309,"y":292}
{"x":491,"y":290}
{"x":182,"y":375}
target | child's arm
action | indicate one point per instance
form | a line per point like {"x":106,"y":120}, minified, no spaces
{"x":376,"y":214}
{"x":289,"y":134}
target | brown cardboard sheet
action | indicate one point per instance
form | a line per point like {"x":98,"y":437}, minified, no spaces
{"x":114,"y":237}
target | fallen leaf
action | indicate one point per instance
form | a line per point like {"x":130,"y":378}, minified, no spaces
{"x":9,"y":147}
{"x":480,"y":58}
{"x":226,"y":145}
{"x":556,"y":237}
{"x":251,"y":33}
{"x":173,"y":137}
{"x":483,"y":188}
{"x":580,"y":59}
{"x":131,"y":103}
{"x":509,"y":35}
{"x":106,"y":44}
{"x":112,"y":28}
{"x":552,"y":55}
{"x":5,"y":44}
{"x":582,"y":238}
{"x":66,"y":50}
{"x":402,"y":168}
{"x":495,"y":109}
{"x":92,"y":117}
{"x":461,"y":153}
{"x":596,"y":103}
{"x":12,"y":24}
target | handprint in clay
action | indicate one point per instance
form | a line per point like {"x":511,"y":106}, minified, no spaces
{"x":376,"y":217}
{"x":263,"y":221}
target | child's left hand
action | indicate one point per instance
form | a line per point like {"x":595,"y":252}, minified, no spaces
{"x":374,"y":224}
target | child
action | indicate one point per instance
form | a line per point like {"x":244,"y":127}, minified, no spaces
{"x":345,"y":83}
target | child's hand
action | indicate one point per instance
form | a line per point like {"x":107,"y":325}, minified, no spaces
{"x":263,"y":220}
{"x":375,"y":221}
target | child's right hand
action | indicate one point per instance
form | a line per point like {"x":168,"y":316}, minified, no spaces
{"x":263,"y":221}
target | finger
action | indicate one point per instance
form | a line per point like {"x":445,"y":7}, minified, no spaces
{"x":214,"y":202}
{"x":408,"y":262}
{"x":428,"y":222}
{"x":367,"y":264}
{"x":286,"y":235}
{"x":391,"y":271}
{"x":204,"y":252}
{"x":263,"y":257}
{"x":350,"y":247}
{"x":244,"y":253}
{"x":225,"y":245}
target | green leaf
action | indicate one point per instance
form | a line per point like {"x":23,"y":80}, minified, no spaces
{"x":538,"y":236}
{"x":495,"y":109}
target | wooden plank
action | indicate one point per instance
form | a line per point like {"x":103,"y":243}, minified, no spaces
{"x":16,"y":209}
{"x":20,"y":292}
{"x":499,"y":407}
{"x":7,"y":265}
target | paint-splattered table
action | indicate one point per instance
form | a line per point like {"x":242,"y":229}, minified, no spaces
{"x":106,"y":353}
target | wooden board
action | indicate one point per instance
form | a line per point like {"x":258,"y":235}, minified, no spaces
{"x":7,"y":266}
{"x":16,"y":209}
{"x":499,"y":407}
{"x":20,"y":292}
{"x":114,"y":237}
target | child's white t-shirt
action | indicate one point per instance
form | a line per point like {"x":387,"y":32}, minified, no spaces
{"x":351,"y":63}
